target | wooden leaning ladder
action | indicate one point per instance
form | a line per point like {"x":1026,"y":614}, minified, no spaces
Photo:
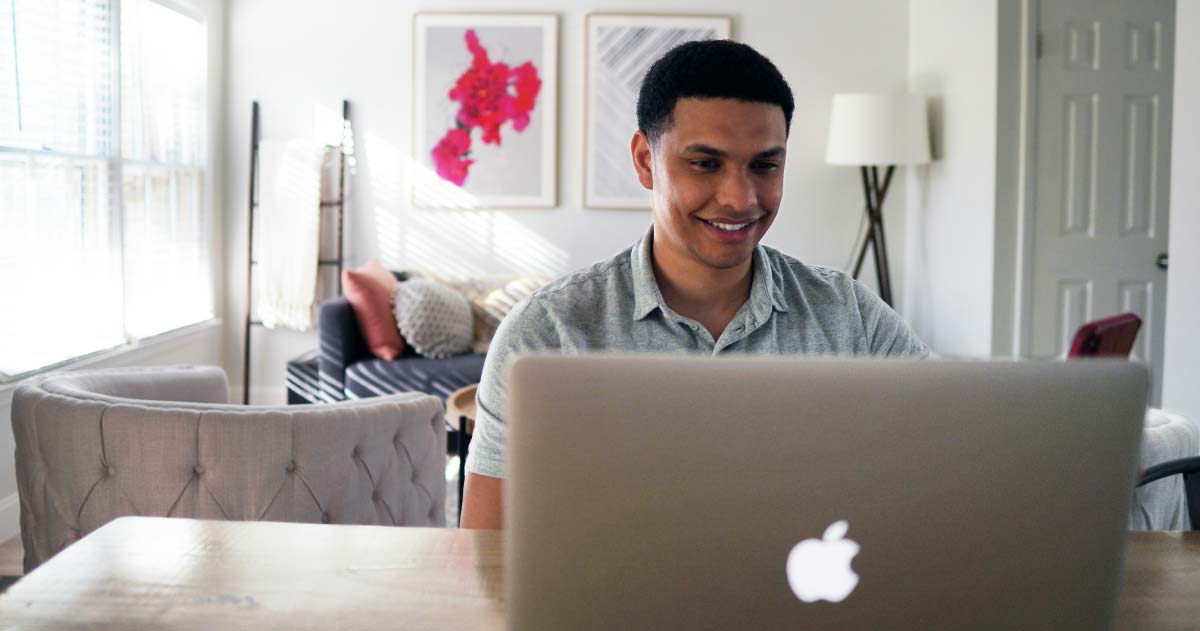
{"x":336,"y":262}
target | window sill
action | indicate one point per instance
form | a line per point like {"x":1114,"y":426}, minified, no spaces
{"x":125,"y":351}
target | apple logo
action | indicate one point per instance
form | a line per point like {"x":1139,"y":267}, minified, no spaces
{"x":819,"y":569}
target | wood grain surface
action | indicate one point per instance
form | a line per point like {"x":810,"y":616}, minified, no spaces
{"x":1161,"y":582}
{"x":155,"y":573}
{"x":152,"y":573}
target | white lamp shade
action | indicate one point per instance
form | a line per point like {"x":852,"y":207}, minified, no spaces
{"x":878,"y":129}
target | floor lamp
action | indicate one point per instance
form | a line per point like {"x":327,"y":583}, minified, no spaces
{"x":872,"y":131}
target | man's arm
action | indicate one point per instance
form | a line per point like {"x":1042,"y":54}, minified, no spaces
{"x":526,"y":329}
{"x":482,"y":505}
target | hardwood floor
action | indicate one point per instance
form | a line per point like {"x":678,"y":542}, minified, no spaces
{"x":11,"y":557}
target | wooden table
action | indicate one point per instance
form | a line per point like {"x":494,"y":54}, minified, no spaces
{"x":142,"y":573}
{"x":461,"y":405}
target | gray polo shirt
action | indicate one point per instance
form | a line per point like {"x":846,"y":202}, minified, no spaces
{"x":615,"y":307}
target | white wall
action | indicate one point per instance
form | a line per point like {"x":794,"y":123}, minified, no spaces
{"x":951,"y":202}
{"x":1181,"y":374}
{"x":301,"y":56}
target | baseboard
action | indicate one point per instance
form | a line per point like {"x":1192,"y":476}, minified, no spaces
{"x":10,"y":517}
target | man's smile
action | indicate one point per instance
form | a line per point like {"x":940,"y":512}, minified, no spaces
{"x":730,"y":230}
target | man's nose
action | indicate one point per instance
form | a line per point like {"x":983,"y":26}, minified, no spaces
{"x":737,"y":192}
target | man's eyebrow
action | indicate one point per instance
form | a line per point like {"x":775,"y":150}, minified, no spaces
{"x":708,"y":150}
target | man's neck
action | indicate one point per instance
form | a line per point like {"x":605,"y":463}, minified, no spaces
{"x":694,"y":290}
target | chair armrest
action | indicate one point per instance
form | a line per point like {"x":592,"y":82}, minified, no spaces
{"x":340,"y":344}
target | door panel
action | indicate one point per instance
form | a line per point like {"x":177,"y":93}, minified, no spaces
{"x":1103,"y":129}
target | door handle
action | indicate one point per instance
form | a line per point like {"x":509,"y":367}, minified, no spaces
{"x":1161,"y":261}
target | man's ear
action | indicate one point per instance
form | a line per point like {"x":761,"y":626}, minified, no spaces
{"x":642,"y":159}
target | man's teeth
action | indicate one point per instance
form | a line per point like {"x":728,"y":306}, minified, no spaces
{"x":730,"y":226}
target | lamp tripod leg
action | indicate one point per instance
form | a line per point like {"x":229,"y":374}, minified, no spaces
{"x":874,"y":191}
{"x":867,"y":238}
{"x":885,"y":282}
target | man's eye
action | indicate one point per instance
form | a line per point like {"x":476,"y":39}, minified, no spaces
{"x":765,"y":166}
{"x":704,"y":164}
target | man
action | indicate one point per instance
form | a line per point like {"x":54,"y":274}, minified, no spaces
{"x":713,"y":120}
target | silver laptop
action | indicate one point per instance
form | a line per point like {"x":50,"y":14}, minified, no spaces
{"x":684,"y":493}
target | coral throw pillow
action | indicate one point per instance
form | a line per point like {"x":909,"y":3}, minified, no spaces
{"x":369,"y":290}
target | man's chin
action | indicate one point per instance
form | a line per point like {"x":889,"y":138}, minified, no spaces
{"x":725,"y":260}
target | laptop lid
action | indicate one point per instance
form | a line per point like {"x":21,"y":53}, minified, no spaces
{"x":685,"y":493}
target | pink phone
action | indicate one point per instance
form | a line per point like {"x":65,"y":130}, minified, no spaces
{"x":1110,"y":337}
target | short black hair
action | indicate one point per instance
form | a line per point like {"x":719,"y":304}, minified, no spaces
{"x":708,"y":69}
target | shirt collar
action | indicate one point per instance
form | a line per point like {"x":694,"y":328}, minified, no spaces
{"x":765,"y":291}
{"x":646,"y":296}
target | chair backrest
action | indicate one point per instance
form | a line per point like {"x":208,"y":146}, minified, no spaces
{"x":1189,"y":468}
{"x":94,"y":446}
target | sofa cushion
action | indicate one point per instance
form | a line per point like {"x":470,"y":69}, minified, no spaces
{"x":439,"y":377}
{"x":475,"y":290}
{"x":433,"y":318}
{"x":369,"y":290}
{"x":502,"y":300}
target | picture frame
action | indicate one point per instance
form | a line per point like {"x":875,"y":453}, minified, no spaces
{"x":619,"y":50}
{"x":485,"y":110}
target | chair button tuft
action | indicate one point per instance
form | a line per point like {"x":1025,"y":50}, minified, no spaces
{"x":325,"y":517}
{"x":357,"y":453}
{"x":291,"y":467}
{"x":110,"y":470}
{"x":198,"y":469}
{"x":376,"y":497}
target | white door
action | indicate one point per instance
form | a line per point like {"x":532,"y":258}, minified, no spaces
{"x":1103,"y":147}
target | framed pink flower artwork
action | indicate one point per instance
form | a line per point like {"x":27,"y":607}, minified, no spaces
{"x":485,"y":103}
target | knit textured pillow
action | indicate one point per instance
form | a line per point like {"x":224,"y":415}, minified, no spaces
{"x":433,"y":318}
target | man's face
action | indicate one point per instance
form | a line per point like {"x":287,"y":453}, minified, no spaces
{"x":717,"y":177}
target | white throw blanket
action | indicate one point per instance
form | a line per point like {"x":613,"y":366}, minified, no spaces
{"x":288,"y":232}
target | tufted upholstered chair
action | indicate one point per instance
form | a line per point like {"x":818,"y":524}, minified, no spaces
{"x":94,"y":446}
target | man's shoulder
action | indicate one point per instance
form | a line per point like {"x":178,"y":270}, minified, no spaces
{"x":794,"y":276}
{"x":585,"y":289}
{"x":594,"y":281}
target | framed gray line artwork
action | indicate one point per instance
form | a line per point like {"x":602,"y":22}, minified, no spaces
{"x":620,"y":49}
{"x":485,"y":105}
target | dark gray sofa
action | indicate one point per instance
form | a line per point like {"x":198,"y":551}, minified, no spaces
{"x":348,"y":369}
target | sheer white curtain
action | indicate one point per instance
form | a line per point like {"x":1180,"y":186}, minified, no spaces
{"x":167,"y":279}
{"x":59,"y":250}
{"x":103,"y":230}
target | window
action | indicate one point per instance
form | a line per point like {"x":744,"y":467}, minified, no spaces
{"x":162,"y":142}
{"x":104,"y":233}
